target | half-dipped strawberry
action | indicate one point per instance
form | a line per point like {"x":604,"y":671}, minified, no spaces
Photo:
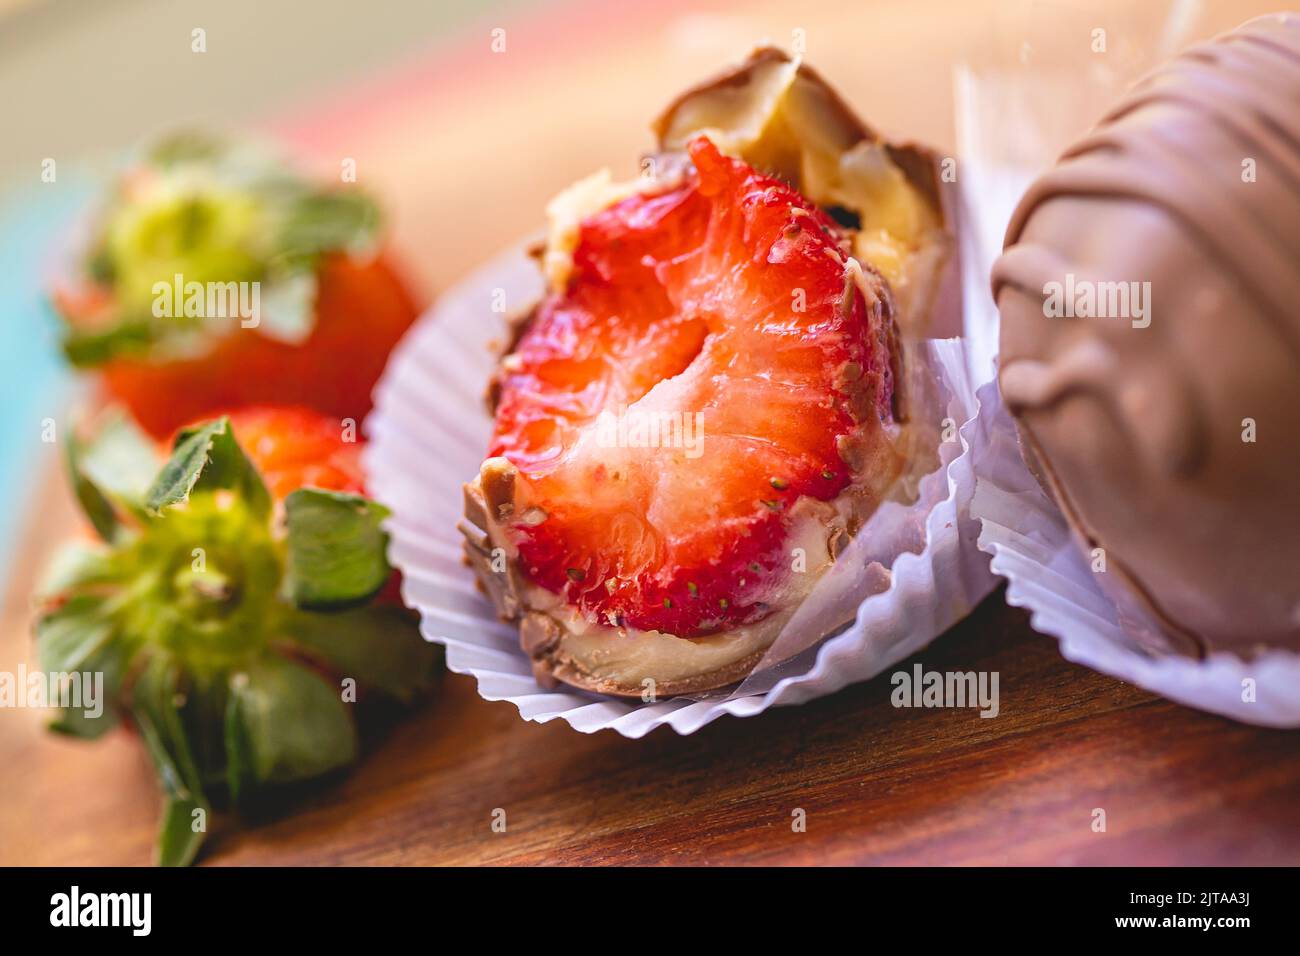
{"x":715,"y":374}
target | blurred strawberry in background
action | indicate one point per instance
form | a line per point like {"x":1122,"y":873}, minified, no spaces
{"x":215,"y":277}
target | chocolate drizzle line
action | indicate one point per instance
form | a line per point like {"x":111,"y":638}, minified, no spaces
{"x":1121,"y":164}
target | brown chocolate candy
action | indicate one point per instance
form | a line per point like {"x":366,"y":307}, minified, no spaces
{"x":1150,"y":350}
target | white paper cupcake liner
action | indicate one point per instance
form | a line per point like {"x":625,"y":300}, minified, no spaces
{"x":428,"y":433}
{"x":1032,"y":546}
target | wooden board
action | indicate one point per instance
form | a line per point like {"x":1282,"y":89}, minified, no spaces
{"x":877,"y":784}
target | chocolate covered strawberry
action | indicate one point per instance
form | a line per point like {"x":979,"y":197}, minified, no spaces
{"x":229,"y":605}
{"x":687,"y":431}
{"x":215,"y":277}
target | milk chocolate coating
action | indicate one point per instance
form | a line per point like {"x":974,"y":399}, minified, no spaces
{"x":1192,"y":183}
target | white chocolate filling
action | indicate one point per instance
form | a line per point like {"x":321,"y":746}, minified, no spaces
{"x":629,"y":657}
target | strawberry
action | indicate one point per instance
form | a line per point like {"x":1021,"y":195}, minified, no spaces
{"x":726,"y":301}
{"x":230,"y":600}
{"x":298,"y":448}
{"x":361,"y":313}
{"x":198,"y":214}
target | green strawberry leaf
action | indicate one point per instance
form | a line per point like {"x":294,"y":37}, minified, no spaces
{"x":285,"y":723}
{"x":71,"y":634}
{"x":75,"y":566}
{"x":95,"y":503}
{"x":208,"y":458}
{"x":239,"y":752}
{"x":156,"y":700}
{"x":178,"y":838}
{"x":106,"y":668}
{"x":111,"y":472}
{"x":317,"y":222}
{"x":379,"y":647}
{"x":87,"y":349}
{"x":337,"y":549}
{"x":120,"y":459}
{"x":77,"y":639}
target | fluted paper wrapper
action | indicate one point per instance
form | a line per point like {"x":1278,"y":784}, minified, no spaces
{"x":1032,"y":546}
{"x":1026,"y":535}
{"x":910,"y":573}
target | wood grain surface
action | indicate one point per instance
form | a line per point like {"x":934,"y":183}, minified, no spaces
{"x":877,"y":784}
{"x":454,"y":147}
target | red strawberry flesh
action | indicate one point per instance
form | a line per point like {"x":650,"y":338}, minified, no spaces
{"x":296,"y":448}
{"x":724,"y":300}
